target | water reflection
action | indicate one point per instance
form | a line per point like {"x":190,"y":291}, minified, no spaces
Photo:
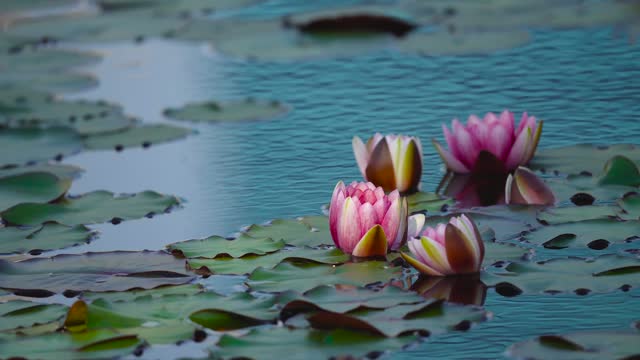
{"x":463,"y":289}
{"x":473,"y":190}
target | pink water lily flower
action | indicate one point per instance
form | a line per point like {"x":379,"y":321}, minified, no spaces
{"x":366,"y":222}
{"x":525,"y":188}
{"x":393,"y":161}
{"x":447,"y":249}
{"x":496,"y":135}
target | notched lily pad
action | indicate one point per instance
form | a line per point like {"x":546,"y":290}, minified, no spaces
{"x":229,"y":111}
{"x":601,"y":275}
{"x":91,"y":208}
{"x":22,"y":146}
{"x":553,"y":216}
{"x":37,"y":187}
{"x":215,"y":246}
{"x":143,"y":136}
{"x":582,"y":158}
{"x":630,"y":205}
{"x":65,"y":172}
{"x":612,"y":344}
{"x":49,"y":236}
{"x":111,"y":271}
{"x":310,"y":231}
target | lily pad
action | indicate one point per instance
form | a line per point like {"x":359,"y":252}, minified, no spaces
{"x":38,"y":187}
{"x":45,"y":60}
{"x":431,"y":318}
{"x":111,"y":271}
{"x":611,"y":344}
{"x":49,"y":236}
{"x":91,"y":208}
{"x":248,"y":263}
{"x":295,"y":232}
{"x":500,"y":252}
{"x":131,"y":295}
{"x":143,"y":136}
{"x":582,"y":158}
{"x":230,"y":111}
{"x":304,"y":275}
{"x":602,"y":274}
{"x":553,"y":216}
{"x":575,"y":187}
{"x":20,"y":314}
{"x":630,"y":205}
{"x":595,"y":234}
{"x":215,"y":246}
{"x":169,"y":7}
{"x":99,"y":344}
{"x":429,"y":202}
{"x":620,"y":170}
{"x":13,"y":6}
{"x":64,"y":172}
{"x":468,"y":43}
{"x":266,"y":343}
{"x":21,"y":146}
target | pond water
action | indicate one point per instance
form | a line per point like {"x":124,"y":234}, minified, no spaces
{"x":583,"y":83}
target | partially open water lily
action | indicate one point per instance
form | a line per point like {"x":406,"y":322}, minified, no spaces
{"x":525,"y":188}
{"x":366,"y":222}
{"x":447,"y":249}
{"x":496,"y":135}
{"x":393,"y":161}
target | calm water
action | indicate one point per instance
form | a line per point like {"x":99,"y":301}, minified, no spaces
{"x":583,"y":83}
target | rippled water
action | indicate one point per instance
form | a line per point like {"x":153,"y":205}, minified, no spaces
{"x":583,"y":83}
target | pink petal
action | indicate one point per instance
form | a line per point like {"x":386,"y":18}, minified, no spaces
{"x":532,"y":188}
{"x":451,"y":141}
{"x":517,"y":156}
{"x":361,"y":154}
{"x":450,"y":161}
{"x":335,"y":209}
{"x":499,"y":142}
{"x":368,"y":218}
{"x":507,"y":121}
{"x":466,"y":144}
{"x":415,"y":225}
{"x":349,"y":226}
{"x":392,"y":220}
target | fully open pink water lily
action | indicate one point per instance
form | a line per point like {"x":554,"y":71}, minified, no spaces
{"x":366,"y":222}
{"x":525,"y":188}
{"x":496,"y":135}
{"x":447,"y":249}
{"x":393,"y":161}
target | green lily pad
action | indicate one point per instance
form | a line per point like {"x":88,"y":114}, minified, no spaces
{"x":169,"y":7}
{"x":620,"y":170}
{"x":133,"y":294}
{"x":602,"y":274}
{"x":144,"y":136}
{"x":102,"y":28}
{"x":429,"y":202}
{"x":248,"y":263}
{"x":467,"y":43}
{"x":64,"y":172}
{"x":611,"y":344}
{"x":432,"y":318}
{"x":230,"y":111}
{"x":22,"y":314}
{"x":304,"y":275}
{"x":266,"y":343}
{"x":21,"y":146}
{"x":45,"y":60}
{"x":576,"y":159}
{"x":114,"y":271}
{"x":553,"y":216}
{"x":595,"y":234}
{"x":215,"y":246}
{"x":91,"y":208}
{"x":38,"y":187}
{"x":499,"y":252}
{"x":12,"y":6}
{"x":566,"y":189}
{"x":49,"y":236}
{"x":295,"y":232}
{"x":345,"y":299}
{"x":101,"y":344}
{"x":630,"y":205}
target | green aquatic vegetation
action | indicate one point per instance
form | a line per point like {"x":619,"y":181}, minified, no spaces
{"x":228,"y":111}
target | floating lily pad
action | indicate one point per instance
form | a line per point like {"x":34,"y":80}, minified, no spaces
{"x":630,"y":205}
{"x":267,"y":343}
{"x":67,"y":81}
{"x":581,"y":158}
{"x":429,"y":202}
{"x":91,"y":208}
{"x":168,"y":7}
{"x":248,"y":263}
{"x":295,"y":232}
{"x":43,"y":60}
{"x":567,"y":189}
{"x":499,"y":252}
{"x":131,"y":295}
{"x":602,"y":274}
{"x":65,"y":172}
{"x":345,"y":299}
{"x":46,"y":237}
{"x":552,"y":216}
{"x":595,"y":234}
{"x":19,"y":314}
{"x":620,"y":170}
{"x":215,"y":246}
{"x":586,"y":345}
{"x":231,"y":111}
{"x":304,"y":275}
{"x":112,"y":271}
{"x":100,"y":344}
{"x":21,"y":146}
{"x":90,"y":28}
{"x":431,"y":318}
{"x":38,"y":187}
{"x":469,"y":43}
{"x":12,"y":6}
{"x":144,"y":136}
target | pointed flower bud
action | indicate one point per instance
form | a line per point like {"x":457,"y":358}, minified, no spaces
{"x":525,"y":188}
